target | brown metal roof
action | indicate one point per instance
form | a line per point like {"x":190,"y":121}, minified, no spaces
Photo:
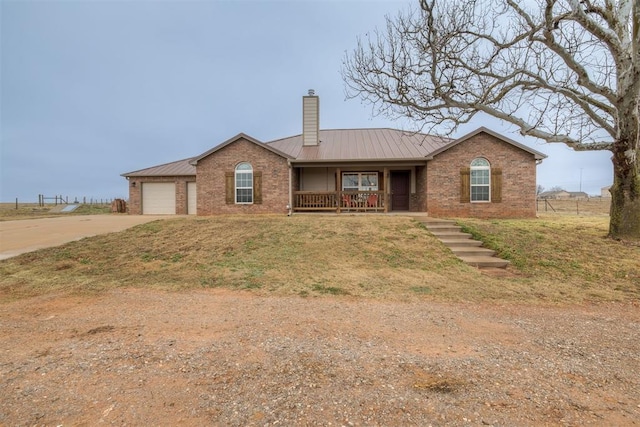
{"x":362,"y":144}
{"x":179,"y":168}
{"x":342,"y":145}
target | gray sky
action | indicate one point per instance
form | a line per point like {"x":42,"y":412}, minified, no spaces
{"x":93,"y":89}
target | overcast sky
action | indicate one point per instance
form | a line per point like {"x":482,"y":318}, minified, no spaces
{"x":94,"y":89}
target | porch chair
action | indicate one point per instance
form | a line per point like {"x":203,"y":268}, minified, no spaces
{"x":347,"y":201}
{"x":372,"y":201}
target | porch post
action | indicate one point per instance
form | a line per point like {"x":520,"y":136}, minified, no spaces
{"x":290,"y":210}
{"x":339,"y":189}
{"x":387,"y":190}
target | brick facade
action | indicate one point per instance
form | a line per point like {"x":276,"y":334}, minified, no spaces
{"x":135,"y":192}
{"x":436,"y":185}
{"x":518,"y":180}
{"x":211,"y":171}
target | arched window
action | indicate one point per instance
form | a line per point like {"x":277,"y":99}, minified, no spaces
{"x":480,"y":180}
{"x":244,"y":183}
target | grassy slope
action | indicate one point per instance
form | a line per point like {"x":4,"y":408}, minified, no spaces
{"x":566,"y":257}
{"x":382,"y":257}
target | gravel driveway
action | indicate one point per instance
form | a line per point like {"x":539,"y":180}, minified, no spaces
{"x":17,"y":237}
{"x":223,"y":358}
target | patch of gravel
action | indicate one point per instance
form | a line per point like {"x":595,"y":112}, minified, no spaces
{"x":221,"y":358}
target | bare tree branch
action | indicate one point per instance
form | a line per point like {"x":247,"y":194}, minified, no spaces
{"x":565,"y":71}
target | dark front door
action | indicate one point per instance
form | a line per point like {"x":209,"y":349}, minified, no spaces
{"x":400,"y":189}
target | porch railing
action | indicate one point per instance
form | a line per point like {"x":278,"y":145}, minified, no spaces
{"x":314,"y":200}
{"x":347,"y":201}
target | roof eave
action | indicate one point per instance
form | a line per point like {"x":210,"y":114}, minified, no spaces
{"x":377,"y":160}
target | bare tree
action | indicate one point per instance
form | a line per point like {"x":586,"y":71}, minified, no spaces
{"x":564,"y":71}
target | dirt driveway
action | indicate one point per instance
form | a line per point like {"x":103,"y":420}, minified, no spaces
{"x":17,"y":237}
{"x":224,"y":358}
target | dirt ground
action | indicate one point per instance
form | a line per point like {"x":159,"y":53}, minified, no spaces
{"x":216,"y":357}
{"x":20,"y":236}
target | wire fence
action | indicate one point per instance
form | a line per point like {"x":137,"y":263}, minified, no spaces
{"x":582,"y":206}
{"x":62,"y":200}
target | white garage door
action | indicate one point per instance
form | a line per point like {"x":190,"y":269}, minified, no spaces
{"x":158,"y":198}
{"x":191,"y":198}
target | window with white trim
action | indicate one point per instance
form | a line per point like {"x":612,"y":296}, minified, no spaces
{"x":244,"y":183}
{"x":360,"y":181}
{"x":480,"y":180}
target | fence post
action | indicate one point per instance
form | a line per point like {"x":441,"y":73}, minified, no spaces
{"x":16,"y":203}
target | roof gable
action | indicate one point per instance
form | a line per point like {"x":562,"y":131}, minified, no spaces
{"x":194,"y":161}
{"x":537,"y":155}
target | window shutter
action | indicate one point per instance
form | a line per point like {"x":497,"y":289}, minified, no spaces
{"x":257,"y":187}
{"x":496,"y":185}
{"x":230,"y":187}
{"x":465,"y":185}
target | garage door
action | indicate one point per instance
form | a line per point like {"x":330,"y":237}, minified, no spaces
{"x":158,"y":198}
{"x":191,"y":198}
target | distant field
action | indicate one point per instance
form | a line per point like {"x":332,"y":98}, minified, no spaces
{"x":9,"y":212}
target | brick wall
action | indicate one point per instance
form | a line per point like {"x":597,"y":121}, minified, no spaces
{"x":135,"y":192}
{"x":211,"y":171}
{"x":518,"y":180}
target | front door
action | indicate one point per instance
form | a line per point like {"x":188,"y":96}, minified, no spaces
{"x":400,"y":189}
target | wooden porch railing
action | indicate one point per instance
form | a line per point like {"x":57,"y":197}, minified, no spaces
{"x":347,"y":201}
{"x":315,"y":200}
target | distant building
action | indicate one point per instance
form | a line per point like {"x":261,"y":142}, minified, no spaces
{"x":604,"y":191}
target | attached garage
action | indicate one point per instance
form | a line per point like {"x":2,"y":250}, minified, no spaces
{"x":167,"y":189}
{"x":191,"y":198}
{"x":158,"y":198}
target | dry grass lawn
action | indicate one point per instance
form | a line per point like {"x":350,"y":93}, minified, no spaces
{"x":554,"y":259}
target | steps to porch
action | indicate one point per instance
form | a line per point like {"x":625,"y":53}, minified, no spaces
{"x":462,"y":245}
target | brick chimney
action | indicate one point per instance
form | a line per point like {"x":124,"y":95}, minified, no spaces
{"x":310,"y":119}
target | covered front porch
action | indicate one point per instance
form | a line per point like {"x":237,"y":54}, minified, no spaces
{"x":357,"y":188}
{"x":349,"y":201}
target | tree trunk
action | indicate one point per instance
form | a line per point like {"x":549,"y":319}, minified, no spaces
{"x":625,"y":193}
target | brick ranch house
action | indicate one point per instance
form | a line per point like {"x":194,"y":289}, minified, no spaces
{"x":483,"y":174}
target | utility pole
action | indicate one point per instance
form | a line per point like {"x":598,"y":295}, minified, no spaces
{"x":581,"y":180}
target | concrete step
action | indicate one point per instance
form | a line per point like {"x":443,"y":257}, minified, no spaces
{"x":438,"y":222}
{"x":485,"y":261}
{"x":450,"y":235}
{"x":443,"y":227}
{"x":471,"y":251}
{"x":462,"y":244}
{"x":452,"y":243}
